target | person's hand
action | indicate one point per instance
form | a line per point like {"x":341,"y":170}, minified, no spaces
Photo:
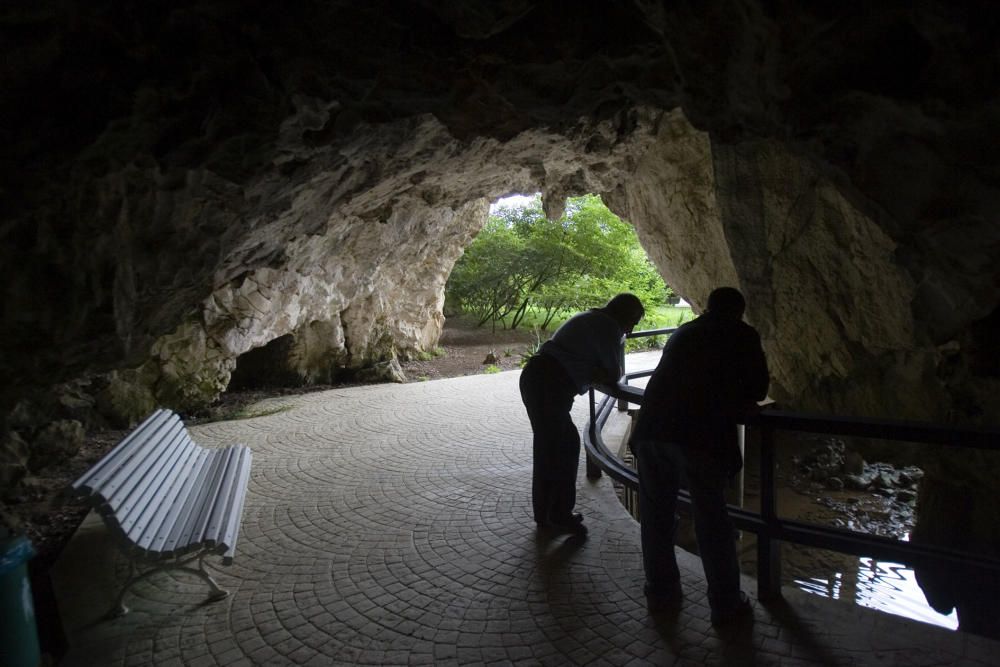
{"x":748,"y":411}
{"x":602,"y":376}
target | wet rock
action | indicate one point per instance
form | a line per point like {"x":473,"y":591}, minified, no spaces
{"x":884,"y":480}
{"x":859,"y":482}
{"x":831,"y":465}
{"x":879,"y":515}
{"x":886,"y":494}
{"x":909,"y":476}
{"x":854,"y":463}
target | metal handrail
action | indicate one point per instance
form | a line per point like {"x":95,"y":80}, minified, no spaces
{"x":666,"y":331}
{"x":768,"y":527}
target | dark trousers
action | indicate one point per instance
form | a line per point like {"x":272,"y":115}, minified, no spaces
{"x":548,"y":393}
{"x":662,"y":467}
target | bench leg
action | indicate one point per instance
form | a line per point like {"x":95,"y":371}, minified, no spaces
{"x":216,"y":593}
{"x":119,"y":608}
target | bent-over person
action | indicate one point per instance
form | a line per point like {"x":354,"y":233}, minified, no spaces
{"x":585,"y":350}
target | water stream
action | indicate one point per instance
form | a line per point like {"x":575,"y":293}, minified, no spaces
{"x":887,"y":587}
{"x":881,"y":585}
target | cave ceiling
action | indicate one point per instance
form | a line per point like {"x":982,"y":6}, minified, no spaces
{"x":160,"y":157}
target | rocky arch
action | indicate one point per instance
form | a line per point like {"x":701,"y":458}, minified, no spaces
{"x":838,"y":310}
{"x":184,"y":182}
{"x":187,"y":182}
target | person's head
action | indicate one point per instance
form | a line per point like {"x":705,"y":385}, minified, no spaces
{"x":626,"y":310}
{"x":726,"y":302}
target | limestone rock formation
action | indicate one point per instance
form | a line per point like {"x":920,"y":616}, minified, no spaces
{"x":315,"y":172}
{"x":187,"y":183}
{"x":823,"y":286}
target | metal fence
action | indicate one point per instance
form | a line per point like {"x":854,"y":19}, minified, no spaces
{"x":770,"y":529}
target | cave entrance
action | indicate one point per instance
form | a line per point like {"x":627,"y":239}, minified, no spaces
{"x":265,"y":366}
{"x":527,"y":271}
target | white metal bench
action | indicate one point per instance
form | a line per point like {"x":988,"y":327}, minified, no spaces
{"x":169,"y":501}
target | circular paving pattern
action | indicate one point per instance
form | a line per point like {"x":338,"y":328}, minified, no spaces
{"x":391,"y":525}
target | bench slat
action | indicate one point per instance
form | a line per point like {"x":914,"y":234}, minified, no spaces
{"x":231,"y":529}
{"x":184,"y":533}
{"x":175,"y":521}
{"x":126,"y":473}
{"x":223,"y":502}
{"x":161,"y":514}
{"x":140,"y":480}
{"x":94,"y":478}
{"x":229,"y":501}
{"x":213,"y":492}
{"x":167,"y":496}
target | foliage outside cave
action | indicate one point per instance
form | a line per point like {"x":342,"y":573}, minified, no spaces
{"x":524,"y":268}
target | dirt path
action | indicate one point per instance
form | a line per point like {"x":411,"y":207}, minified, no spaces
{"x":466,"y":348}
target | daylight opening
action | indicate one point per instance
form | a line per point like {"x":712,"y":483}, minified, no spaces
{"x":526,"y":272}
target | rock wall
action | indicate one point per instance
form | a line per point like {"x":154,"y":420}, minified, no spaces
{"x":334,"y":295}
{"x":167,"y":161}
{"x":369,"y":284}
{"x":185,"y":182}
{"x":842,"y":315}
{"x":848,"y":321}
{"x":350,"y":266}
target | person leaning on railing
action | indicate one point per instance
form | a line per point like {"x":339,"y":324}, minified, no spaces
{"x":585,"y":350}
{"x":712,"y":371}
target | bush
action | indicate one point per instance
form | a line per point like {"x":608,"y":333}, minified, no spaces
{"x":523,"y":268}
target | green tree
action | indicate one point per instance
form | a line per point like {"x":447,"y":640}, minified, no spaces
{"x":483,"y":282}
{"x":522,"y":261}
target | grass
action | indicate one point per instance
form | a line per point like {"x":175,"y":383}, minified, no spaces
{"x":427,"y":355}
{"x":248,"y":412}
{"x":492,"y":368}
{"x":661,"y":317}
{"x":657,"y":317}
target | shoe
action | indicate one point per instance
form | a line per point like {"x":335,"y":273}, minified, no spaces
{"x":739,"y":611}
{"x":572,"y":525}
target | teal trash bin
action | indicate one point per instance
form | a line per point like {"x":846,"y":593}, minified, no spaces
{"x":18,"y":633}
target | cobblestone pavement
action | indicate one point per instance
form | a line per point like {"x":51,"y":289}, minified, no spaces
{"x":390,"y":525}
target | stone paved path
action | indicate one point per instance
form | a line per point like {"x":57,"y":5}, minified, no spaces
{"x":390,"y":525}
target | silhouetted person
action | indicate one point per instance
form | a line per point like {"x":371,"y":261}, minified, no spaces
{"x":586,"y":349}
{"x":711,"y":374}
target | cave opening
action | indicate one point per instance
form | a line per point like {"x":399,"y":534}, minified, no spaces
{"x":265,"y":366}
{"x":524,"y":269}
{"x":200,"y":199}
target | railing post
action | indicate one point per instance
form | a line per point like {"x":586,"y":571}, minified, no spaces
{"x":593,"y":470}
{"x":622,"y":402}
{"x":768,"y":548}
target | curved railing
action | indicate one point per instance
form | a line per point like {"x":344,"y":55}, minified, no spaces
{"x":770,"y":529}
